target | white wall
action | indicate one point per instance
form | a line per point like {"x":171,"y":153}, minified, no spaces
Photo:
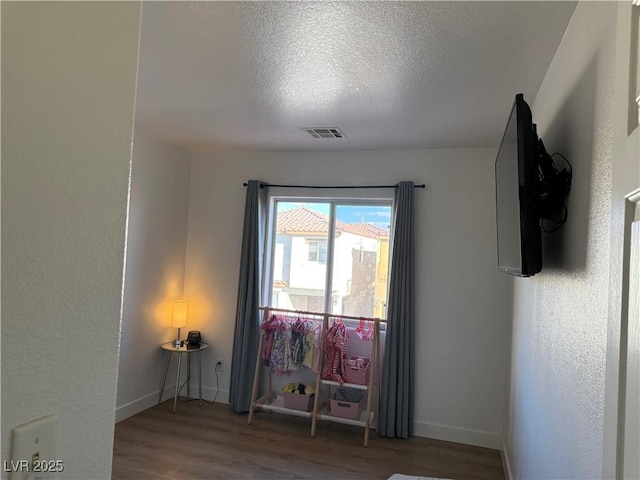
{"x":625,"y":179}
{"x":463,"y":303}
{"x":302,"y":272}
{"x":154,"y":271}
{"x":68,"y":93}
{"x":563,"y":316}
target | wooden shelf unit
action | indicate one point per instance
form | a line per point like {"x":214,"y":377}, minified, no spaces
{"x":368,"y":413}
{"x":274,"y":402}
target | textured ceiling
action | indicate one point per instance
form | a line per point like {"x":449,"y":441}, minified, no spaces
{"x":390,"y":75}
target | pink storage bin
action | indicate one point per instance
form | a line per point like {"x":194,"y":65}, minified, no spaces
{"x":340,"y":408}
{"x":358,"y":375}
{"x":296,"y":401}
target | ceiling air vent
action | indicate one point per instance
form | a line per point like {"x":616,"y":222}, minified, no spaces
{"x":324,"y":132}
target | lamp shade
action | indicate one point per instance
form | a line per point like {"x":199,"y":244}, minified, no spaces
{"x":179,"y":319}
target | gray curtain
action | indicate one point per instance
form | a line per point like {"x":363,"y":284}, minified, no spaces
{"x":397,"y":384}
{"x":246,"y":335}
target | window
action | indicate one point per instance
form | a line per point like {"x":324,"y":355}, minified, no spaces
{"x":317,"y":251}
{"x":330,"y":255}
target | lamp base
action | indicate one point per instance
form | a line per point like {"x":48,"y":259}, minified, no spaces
{"x":177,"y":343}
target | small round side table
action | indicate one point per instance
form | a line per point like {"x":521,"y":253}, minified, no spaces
{"x":188,"y":349}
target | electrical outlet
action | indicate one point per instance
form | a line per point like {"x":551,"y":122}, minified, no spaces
{"x":220,"y":365}
{"x":33,"y":450}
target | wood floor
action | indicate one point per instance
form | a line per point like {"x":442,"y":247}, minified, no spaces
{"x":210,"y":441}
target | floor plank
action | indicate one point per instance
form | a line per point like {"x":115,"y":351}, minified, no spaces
{"x":212,"y":442}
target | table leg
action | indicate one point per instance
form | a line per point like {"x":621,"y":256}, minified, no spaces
{"x":188,"y":375}
{"x":200,"y":378}
{"x":164,"y":377}
{"x":175,"y":397}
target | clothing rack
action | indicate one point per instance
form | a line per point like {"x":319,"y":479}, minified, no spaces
{"x":320,"y":409}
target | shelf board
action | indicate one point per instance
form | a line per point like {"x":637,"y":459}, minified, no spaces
{"x":349,"y":385}
{"x":278,"y":406}
{"x":361,"y":422}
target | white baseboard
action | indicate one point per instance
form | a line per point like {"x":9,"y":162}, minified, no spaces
{"x":132,"y":408}
{"x":458,"y":435}
{"x":129,"y":409}
{"x":420,"y":429}
{"x":508,"y":475}
{"x":209,"y":394}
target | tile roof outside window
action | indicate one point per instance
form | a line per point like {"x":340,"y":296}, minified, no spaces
{"x":303,"y":220}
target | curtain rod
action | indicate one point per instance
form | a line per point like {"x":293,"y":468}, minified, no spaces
{"x":330,"y":186}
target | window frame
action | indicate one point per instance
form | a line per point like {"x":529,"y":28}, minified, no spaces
{"x":382,"y":198}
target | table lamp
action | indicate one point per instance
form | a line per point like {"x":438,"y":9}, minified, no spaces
{"x":179,"y":319}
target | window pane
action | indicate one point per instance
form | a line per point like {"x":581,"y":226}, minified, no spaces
{"x":361,"y":260}
{"x":299,"y":273}
{"x":313,"y":251}
{"x":322,"y":254}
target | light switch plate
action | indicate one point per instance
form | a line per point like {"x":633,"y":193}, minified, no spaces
{"x":33,"y":450}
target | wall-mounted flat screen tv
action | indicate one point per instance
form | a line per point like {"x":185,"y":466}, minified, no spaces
{"x":518,"y":223}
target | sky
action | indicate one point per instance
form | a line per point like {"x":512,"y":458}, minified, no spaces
{"x":378,"y":215}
